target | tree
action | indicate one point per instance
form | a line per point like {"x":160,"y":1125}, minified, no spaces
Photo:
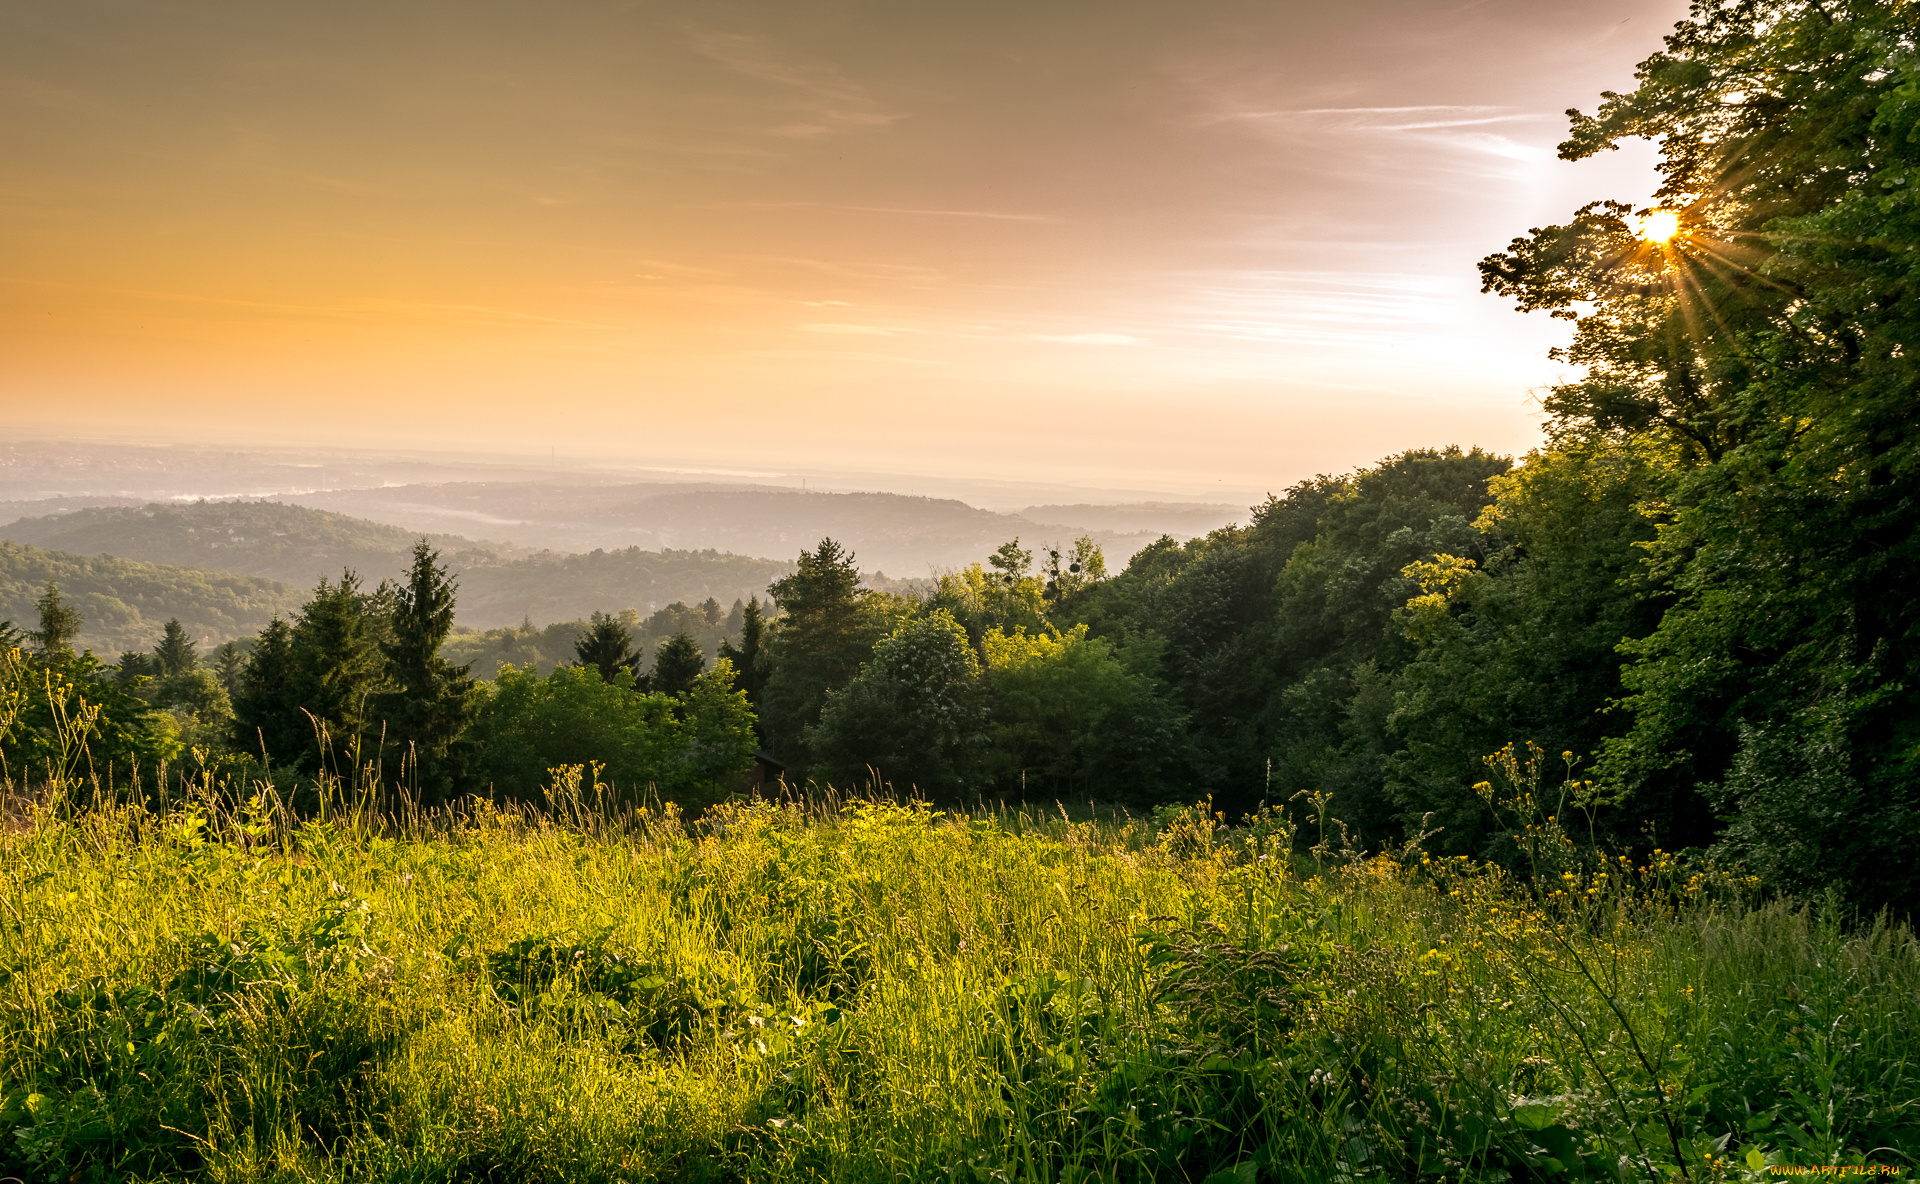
{"x":228,"y":662}
{"x":1773,"y":340}
{"x":1080,"y":568}
{"x":316,"y":678}
{"x":429,"y":701}
{"x":608,"y":648}
{"x":135,"y":667}
{"x":528,"y":725}
{"x":267,"y":721}
{"x":176,"y":651}
{"x":828,"y":625}
{"x":749,"y":659}
{"x":59,"y":624}
{"x":1070,"y":718}
{"x":914,"y":715}
{"x":677,"y":662}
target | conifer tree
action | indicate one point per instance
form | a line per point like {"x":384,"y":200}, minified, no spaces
{"x":227,"y":665}
{"x":607,"y":646}
{"x":429,"y":701}
{"x":676,"y":664}
{"x":59,"y":624}
{"x":176,"y":651}
{"x":750,"y":658}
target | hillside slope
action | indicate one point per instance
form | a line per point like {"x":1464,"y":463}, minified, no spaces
{"x":124,"y":604}
{"x":293,"y":544}
{"x":298,"y":545}
{"x":899,"y":534}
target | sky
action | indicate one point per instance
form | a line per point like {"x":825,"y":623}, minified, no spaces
{"x":1191,"y":245}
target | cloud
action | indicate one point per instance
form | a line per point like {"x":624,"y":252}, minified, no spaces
{"x":853,"y":330}
{"x":1090,"y":338}
{"x":825,"y":99}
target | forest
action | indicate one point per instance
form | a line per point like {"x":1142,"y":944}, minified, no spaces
{"x":1462,"y":817}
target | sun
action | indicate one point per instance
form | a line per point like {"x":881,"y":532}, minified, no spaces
{"x":1657,"y":226}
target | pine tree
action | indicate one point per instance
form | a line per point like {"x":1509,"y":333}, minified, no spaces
{"x":176,"y":651}
{"x":59,"y":624}
{"x":267,"y":721}
{"x":227,"y":665}
{"x":825,"y":632}
{"x":430,"y":701}
{"x":608,"y":647}
{"x":676,"y":664}
{"x":750,"y":658}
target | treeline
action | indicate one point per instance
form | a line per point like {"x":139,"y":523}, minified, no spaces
{"x":354,"y":687}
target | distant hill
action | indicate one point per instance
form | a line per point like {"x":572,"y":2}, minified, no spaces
{"x":549,"y":588}
{"x":298,"y":545}
{"x":898,"y":534}
{"x":293,"y":544}
{"x":125,"y":604}
{"x":1182,"y":520}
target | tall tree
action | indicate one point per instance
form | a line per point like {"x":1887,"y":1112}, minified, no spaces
{"x":1763,"y":322}
{"x":915,"y":715}
{"x":228,"y":662}
{"x":266,"y":717}
{"x":429,"y":701}
{"x":334,"y":668}
{"x":176,"y":651}
{"x":607,"y":646}
{"x":750,"y":658}
{"x":825,"y":631}
{"x":59,"y":624}
{"x":677,"y":662}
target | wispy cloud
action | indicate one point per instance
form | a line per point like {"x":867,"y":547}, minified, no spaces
{"x":904,"y":211}
{"x":1089,"y":338}
{"x":825,"y":99}
{"x":854,"y":330}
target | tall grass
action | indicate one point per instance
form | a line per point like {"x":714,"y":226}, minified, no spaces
{"x":873,"y":991}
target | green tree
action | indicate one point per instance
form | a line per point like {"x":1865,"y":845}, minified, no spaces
{"x":135,"y":667}
{"x":59,"y":624}
{"x":428,"y":701}
{"x":750,"y":658}
{"x":528,"y":725}
{"x":827,"y":627}
{"x":267,"y":720}
{"x":1070,"y":718}
{"x":176,"y":651}
{"x":607,"y":646}
{"x":914,"y":716}
{"x":310,"y":700}
{"x":1774,"y":341}
{"x":677,"y":662}
{"x":228,"y":662}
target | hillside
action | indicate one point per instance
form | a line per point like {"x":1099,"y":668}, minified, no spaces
{"x":298,"y":545}
{"x":293,"y":544}
{"x":551,"y":588}
{"x":898,"y":534}
{"x":125,"y":604}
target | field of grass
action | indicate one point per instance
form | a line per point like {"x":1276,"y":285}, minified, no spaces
{"x":877,"y":992}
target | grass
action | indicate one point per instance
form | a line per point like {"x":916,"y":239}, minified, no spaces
{"x":876,"y":992}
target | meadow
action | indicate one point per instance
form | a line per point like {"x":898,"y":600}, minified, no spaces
{"x":865,"y":990}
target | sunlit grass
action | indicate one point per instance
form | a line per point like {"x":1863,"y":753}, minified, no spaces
{"x":883,"y":992}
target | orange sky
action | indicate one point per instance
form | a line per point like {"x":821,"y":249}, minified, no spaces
{"x":1174,"y":244}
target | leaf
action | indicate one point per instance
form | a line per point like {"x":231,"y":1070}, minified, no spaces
{"x":1533,"y":1117}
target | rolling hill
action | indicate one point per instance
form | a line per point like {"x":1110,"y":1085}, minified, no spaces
{"x":900,"y":534}
{"x":297,"y":545}
{"x":293,"y":544}
{"x":124,"y":604}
